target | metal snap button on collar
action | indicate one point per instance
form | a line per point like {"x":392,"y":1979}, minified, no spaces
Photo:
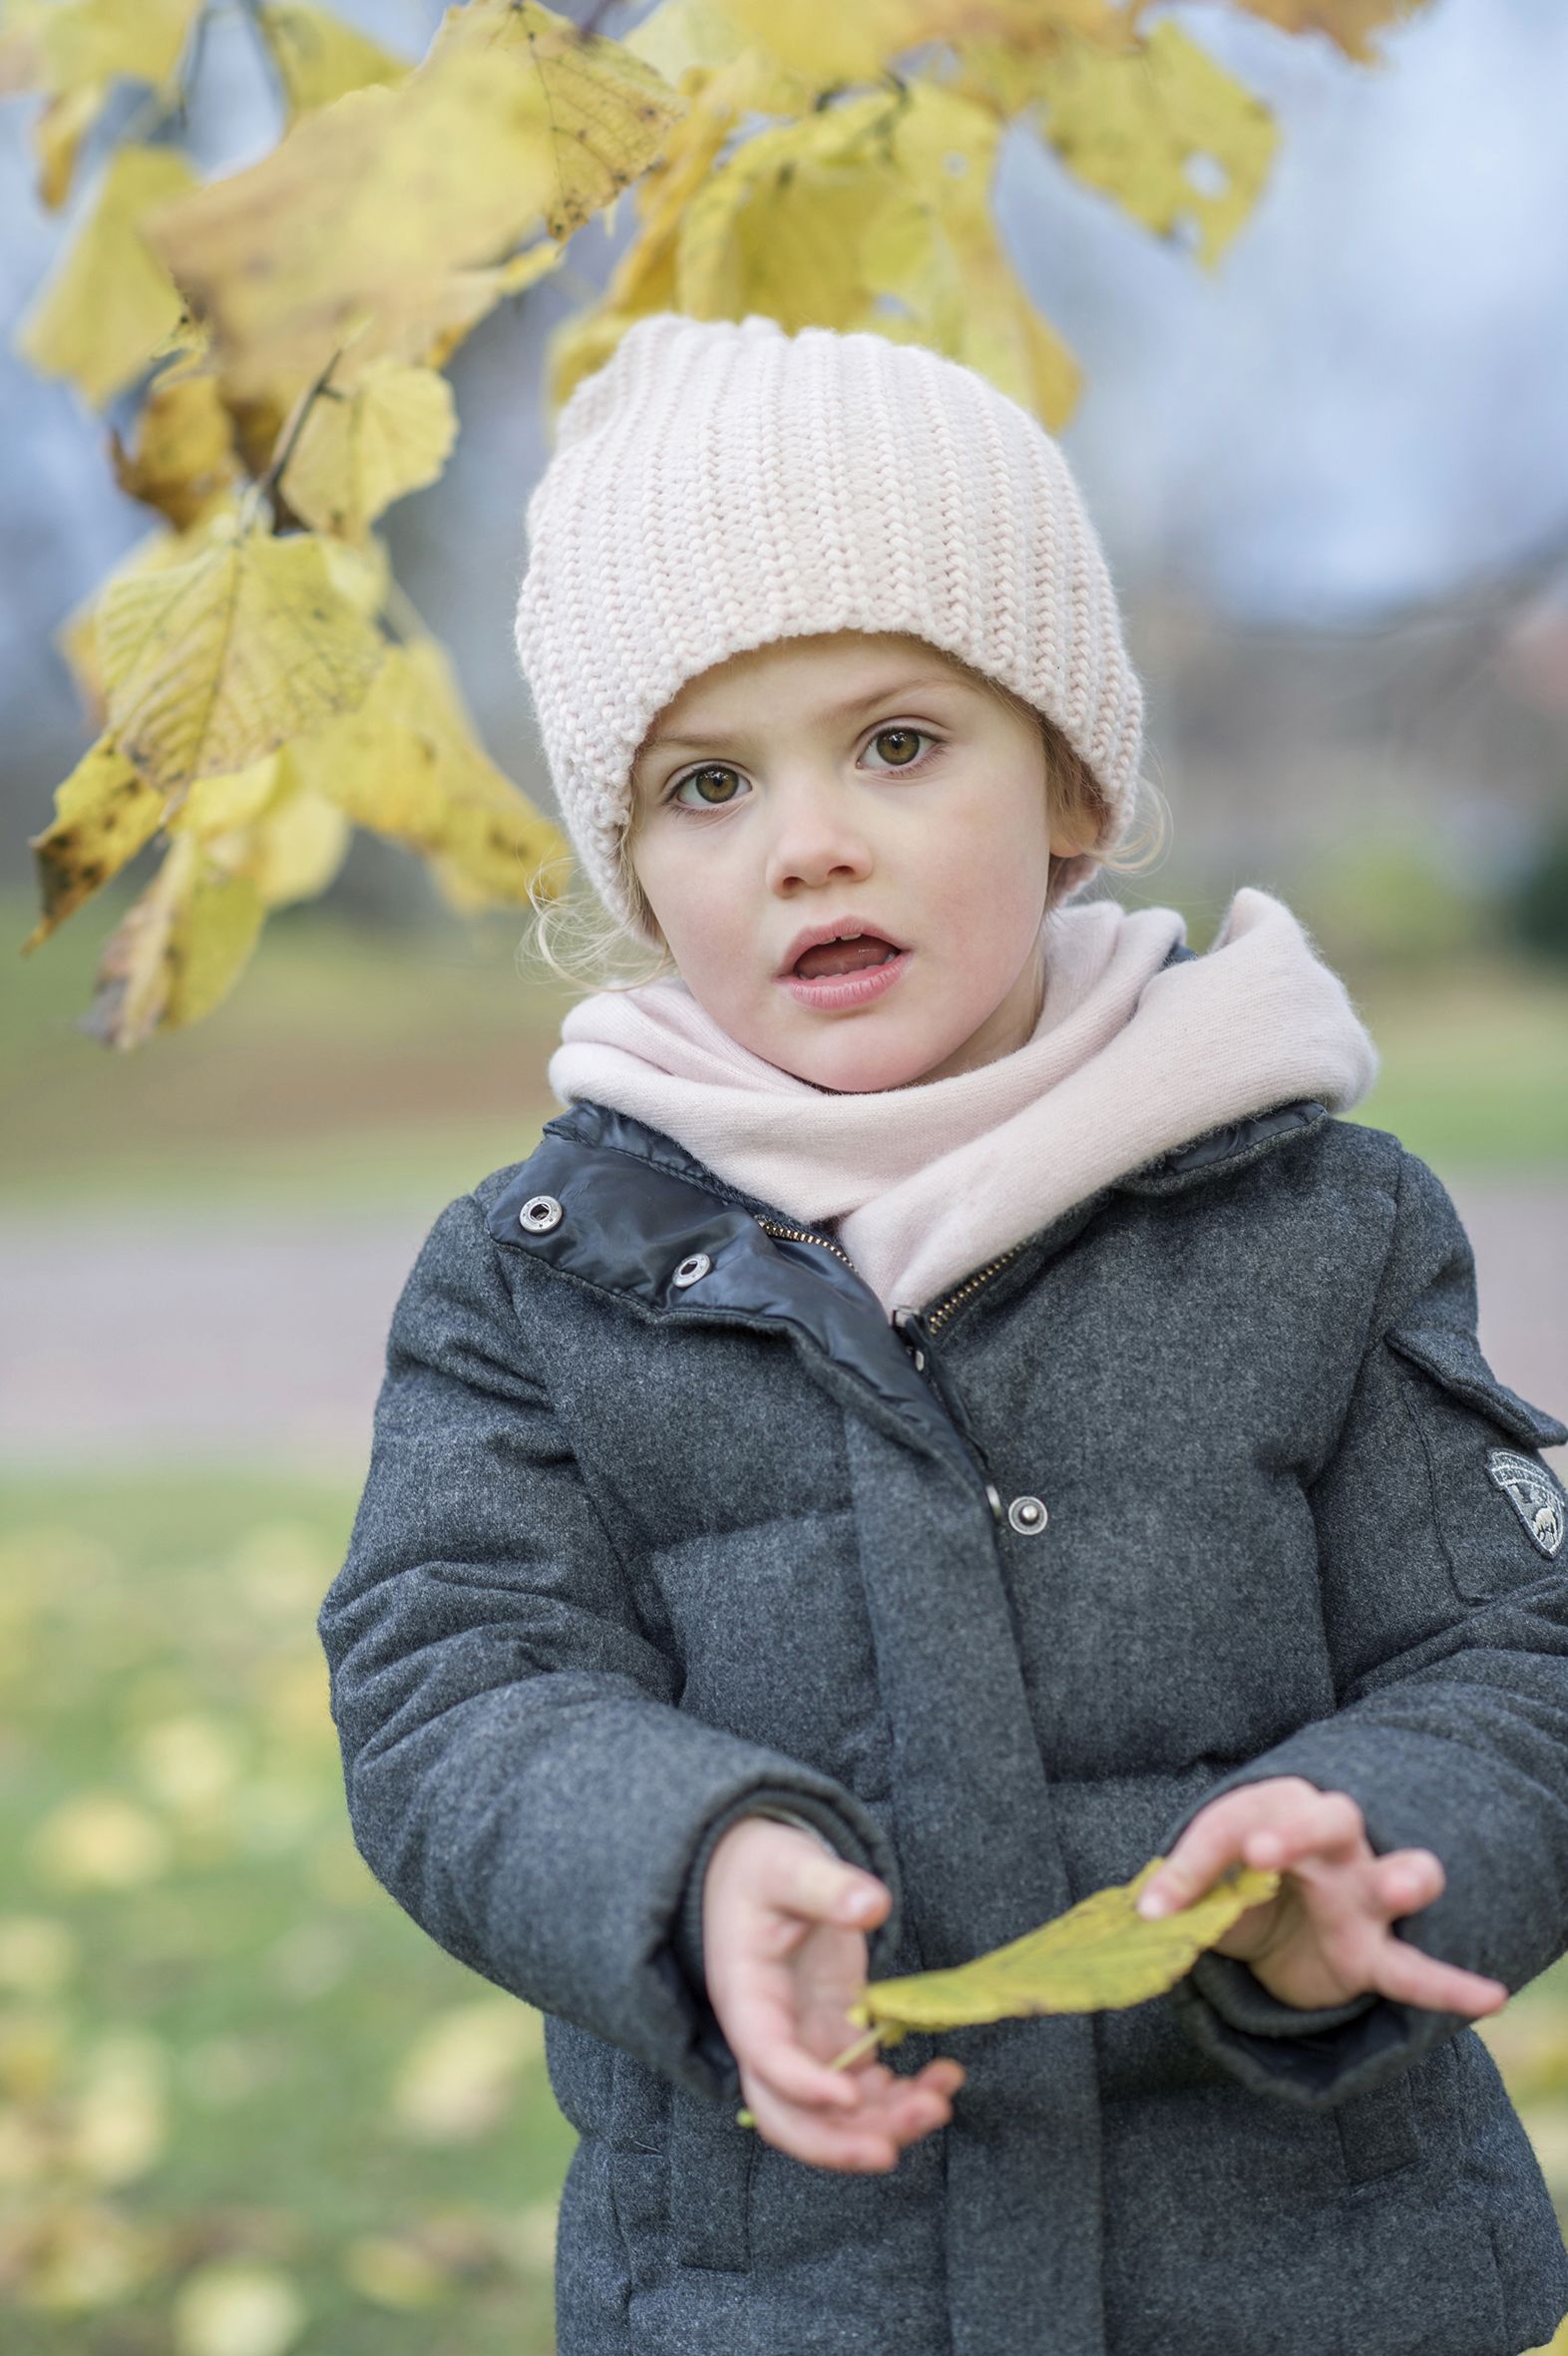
{"x":540,"y":1213}
{"x":691,"y":1269}
{"x":1027,"y":1516}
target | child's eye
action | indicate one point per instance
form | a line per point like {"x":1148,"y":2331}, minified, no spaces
{"x":905,"y":737}
{"x":703,"y":778}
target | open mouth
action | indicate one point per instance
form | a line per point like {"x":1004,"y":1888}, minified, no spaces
{"x":858,"y":955}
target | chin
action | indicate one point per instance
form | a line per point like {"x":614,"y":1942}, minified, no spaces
{"x":860,"y":1067}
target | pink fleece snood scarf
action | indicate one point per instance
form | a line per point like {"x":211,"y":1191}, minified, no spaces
{"x":920,"y":1185}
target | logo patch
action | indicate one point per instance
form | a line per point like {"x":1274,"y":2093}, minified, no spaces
{"x":1534,"y":1496}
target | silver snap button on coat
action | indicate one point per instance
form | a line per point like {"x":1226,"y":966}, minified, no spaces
{"x":540,"y":1213}
{"x":993,"y":1501}
{"x":1027,"y":1516}
{"x":690,"y":1270}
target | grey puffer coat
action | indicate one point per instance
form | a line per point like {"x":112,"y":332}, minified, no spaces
{"x":1206,"y":1481}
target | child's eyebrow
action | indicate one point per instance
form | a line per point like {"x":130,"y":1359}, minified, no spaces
{"x":858,"y":702}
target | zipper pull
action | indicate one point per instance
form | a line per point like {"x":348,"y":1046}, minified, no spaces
{"x":908,"y":1323}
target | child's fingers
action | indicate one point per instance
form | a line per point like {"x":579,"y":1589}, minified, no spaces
{"x":898,"y":2111}
{"x":1273,"y":1824}
{"x":810,"y":1884}
{"x":761,"y":2027}
{"x":1409,"y":1879}
{"x":1405,"y":1973}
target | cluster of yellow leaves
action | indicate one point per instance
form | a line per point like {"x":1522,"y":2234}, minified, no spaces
{"x":289,"y":324}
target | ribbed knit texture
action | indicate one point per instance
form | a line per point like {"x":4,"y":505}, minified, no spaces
{"x":928,"y":1182}
{"x":719,"y":484}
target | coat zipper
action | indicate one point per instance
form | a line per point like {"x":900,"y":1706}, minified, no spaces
{"x":971,"y":1283}
{"x":804,"y":1235}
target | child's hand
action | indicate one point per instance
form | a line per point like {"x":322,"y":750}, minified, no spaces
{"x":785,"y":1955}
{"x":1324,"y":1936}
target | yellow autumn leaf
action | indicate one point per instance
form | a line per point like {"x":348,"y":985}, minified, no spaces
{"x":999,"y":48}
{"x":237,"y":2307}
{"x":22,"y":64}
{"x":110,"y":302}
{"x":211,"y":664}
{"x":1165,"y":131}
{"x":367,"y":206}
{"x":813,"y":222}
{"x":262,"y":824}
{"x":99,"y":1840}
{"x":214,"y":806}
{"x":948,"y":143}
{"x":427,"y":325}
{"x":297,"y":847}
{"x":643,"y":280}
{"x":460,"y":2077}
{"x":117,"y":2124}
{"x":177,"y":949}
{"x":37,"y":1954}
{"x":1101,"y":1955}
{"x":1345,"y":22}
{"x":682,"y":34}
{"x":318,"y":57}
{"x":104,"y":812}
{"x":824,"y":42}
{"x":157,"y":551}
{"x":85,"y":2256}
{"x":87,"y":41}
{"x":183,"y":460}
{"x":604,"y":112}
{"x":407,"y":764}
{"x":392,"y":2273}
{"x":57,"y":132}
{"x":384,"y":433}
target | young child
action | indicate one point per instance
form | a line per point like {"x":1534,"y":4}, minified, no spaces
{"x":947,"y":1413}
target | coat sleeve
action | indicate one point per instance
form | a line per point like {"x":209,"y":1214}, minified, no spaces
{"x":1440,"y":1536}
{"x":518,"y":1773}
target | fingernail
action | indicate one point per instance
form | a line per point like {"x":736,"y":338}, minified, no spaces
{"x":861,"y":1903}
{"x":1153,"y":1902}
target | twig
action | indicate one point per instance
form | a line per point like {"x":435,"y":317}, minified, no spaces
{"x":861,"y":2045}
{"x":268,"y":482}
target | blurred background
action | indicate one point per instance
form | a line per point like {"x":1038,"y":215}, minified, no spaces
{"x":245,"y":2106}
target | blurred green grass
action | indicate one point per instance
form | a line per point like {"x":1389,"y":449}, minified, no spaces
{"x":386,"y":1069}
{"x":232,"y":2071}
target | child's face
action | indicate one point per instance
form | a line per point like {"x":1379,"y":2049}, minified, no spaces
{"x":800,"y":793}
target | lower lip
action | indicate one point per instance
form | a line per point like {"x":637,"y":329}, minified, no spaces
{"x":831,"y":991}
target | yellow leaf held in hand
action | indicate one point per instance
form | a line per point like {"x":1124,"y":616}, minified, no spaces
{"x":1101,"y":1955}
{"x":211,"y":664}
{"x":318,"y":57}
{"x":111,"y":303}
{"x":367,"y":441}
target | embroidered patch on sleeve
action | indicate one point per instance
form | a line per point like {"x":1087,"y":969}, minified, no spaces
{"x":1533,"y":1495}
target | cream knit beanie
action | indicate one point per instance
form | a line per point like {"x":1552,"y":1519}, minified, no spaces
{"x":719,"y":484}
